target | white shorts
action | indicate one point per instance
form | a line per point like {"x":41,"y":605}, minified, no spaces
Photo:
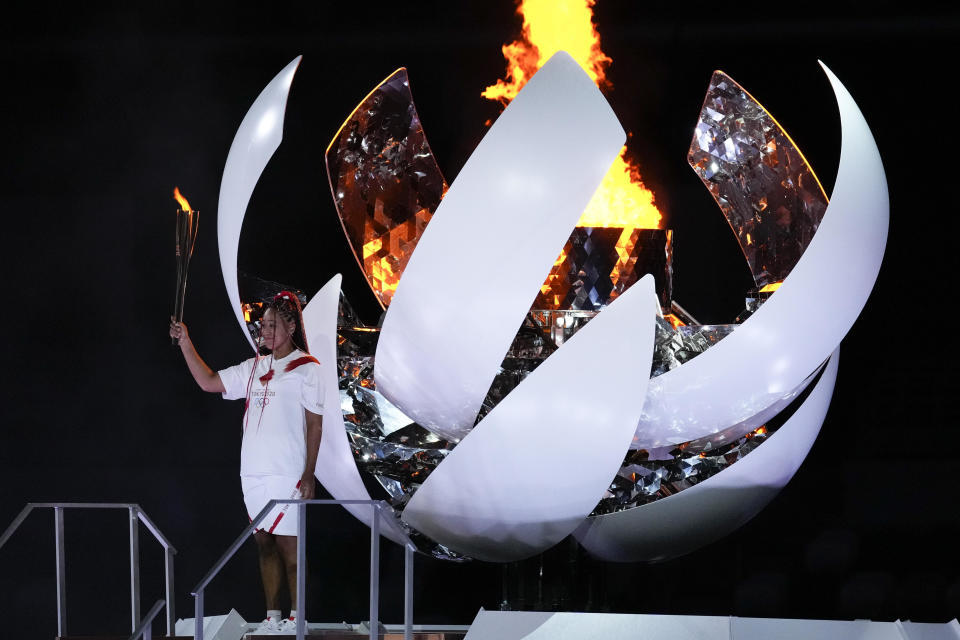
{"x":259,"y":490}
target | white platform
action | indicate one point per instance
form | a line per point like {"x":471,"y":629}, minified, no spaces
{"x":231,"y":626}
{"x":533,"y":625}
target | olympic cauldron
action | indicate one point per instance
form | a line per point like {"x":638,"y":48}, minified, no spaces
{"x":490,"y":422}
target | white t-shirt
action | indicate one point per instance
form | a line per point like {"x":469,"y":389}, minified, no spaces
{"x":275,"y":431}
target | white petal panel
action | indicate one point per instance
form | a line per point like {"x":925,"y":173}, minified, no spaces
{"x":539,"y":462}
{"x":256,"y":140}
{"x":481,"y":260}
{"x":709,"y":510}
{"x":336,"y":468}
{"x":746,"y":377}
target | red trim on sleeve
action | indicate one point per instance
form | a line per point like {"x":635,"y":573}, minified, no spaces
{"x":293,"y":364}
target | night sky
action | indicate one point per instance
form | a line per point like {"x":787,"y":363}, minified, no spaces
{"x":106,"y":109}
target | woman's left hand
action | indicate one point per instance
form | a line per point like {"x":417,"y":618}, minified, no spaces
{"x":307,"y":485}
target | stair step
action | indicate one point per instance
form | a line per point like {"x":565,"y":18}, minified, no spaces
{"x":315,"y":635}
{"x":123,"y":637}
{"x":347,"y":635}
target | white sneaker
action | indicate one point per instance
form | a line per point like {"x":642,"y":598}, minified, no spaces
{"x":270,"y":626}
{"x":288,"y":626}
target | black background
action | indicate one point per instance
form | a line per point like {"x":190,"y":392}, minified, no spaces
{"x":105,"y":109}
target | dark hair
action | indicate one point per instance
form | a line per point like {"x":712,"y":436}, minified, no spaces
{"x":287,"y":305}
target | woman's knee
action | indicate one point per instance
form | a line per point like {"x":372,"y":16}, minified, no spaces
{"x":287,"y":545}
{"x":265,"y":541}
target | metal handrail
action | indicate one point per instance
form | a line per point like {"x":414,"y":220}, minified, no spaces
{"x":136,"y":515}
{"x":145,"y":629}
{"x":376,"y":506}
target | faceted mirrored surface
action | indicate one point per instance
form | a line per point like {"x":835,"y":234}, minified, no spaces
{"x":675,"y":345}
{"x":385,"y":443}
{"x":386,"y":186}
{"x":385,"y":182}
{"x":646,"y":477}
{"x":599,"y":263}
{"x":400,"y":454}
{"x":767,"y":191}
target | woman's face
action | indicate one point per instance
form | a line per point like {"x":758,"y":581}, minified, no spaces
{"x":276,"y":330}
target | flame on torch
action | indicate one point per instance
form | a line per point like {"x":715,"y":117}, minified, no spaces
{"x":184,"y":205}
{"x":187,"y":225}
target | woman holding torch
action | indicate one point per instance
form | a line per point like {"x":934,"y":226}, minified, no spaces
{"x":282,"y":427}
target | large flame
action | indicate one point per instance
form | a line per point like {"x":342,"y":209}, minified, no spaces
{"x":184,"y":205}
{"x":549,"y":26}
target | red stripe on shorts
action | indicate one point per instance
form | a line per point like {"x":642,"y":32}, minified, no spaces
{"x":276,"y":522}
{"x":280,"y":516}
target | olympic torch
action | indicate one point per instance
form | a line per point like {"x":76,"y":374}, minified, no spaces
{"x":188,"y":222}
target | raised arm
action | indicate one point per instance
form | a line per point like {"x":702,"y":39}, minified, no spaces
{"x":314,"y":435}
{"x":207,"y":378}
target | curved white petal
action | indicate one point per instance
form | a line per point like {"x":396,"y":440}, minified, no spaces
{"x":257,"y":138}
{"x":535,"y":466}
{"x":749,"y":375}
{"x":336,"y":468}
{"x":699,"y":515}
{"x":488,"y":248}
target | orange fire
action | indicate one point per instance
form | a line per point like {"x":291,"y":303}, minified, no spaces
{"x":184,"y":205}
{"x":549,"y":26}
{"x":622,"y":200}
{"x":674,"y":320}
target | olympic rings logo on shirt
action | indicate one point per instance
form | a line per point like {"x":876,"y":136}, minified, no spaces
{"x":261,"y":399}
